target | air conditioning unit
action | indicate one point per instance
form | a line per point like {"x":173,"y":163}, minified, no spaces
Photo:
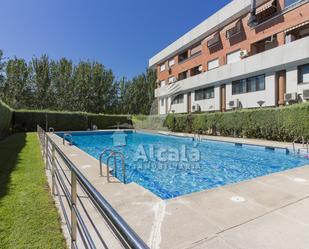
{"x":174,"y":79}
{"x":196,"y":108}
{"x":306,"y":94}
{"x":234,"y":103}
{"x":244,"y":53}
{"x":291,"y":97}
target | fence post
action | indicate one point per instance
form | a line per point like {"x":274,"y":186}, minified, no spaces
{"x":43,"y":145}
{"x":46,"y":152}
{"x":53,"y":166}
{"x":73,"y":205}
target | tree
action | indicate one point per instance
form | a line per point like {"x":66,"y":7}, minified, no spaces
{"x":2,"y":65}
{"x":139,"y":93}
{"x":60,"y":85}
{"x":41,"y":77}
{"x":16,"y":83}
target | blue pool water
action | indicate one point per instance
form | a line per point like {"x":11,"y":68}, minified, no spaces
{"x":171,"y":166}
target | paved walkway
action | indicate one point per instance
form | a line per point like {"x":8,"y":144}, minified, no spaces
{"x":269,"y":212}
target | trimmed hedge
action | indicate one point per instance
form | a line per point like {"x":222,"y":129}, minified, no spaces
{"x":103,"y":121}
{"x":27,"y":120}
{"x":150,"y":122}
{"x":280,"y":124}
{"x":5,"y":119}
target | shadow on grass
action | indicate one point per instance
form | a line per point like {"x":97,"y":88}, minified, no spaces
{"x":10,"y":148}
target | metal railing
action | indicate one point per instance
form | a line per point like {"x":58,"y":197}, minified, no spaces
{"x":302,"y":142}
{"x":197,"y":137}
{"x":101,"y":159}
{"x":70,"y":137}
{"x":113,"y":154}
{"x":65,"y":180}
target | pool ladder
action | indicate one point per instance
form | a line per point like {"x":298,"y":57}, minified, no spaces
{"x":197,"y":137}
{"x":113,"y":154}
{"x":303,"y":144}
{"x":70,"y":138}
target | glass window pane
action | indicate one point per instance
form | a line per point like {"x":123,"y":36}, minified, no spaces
{"x":290,"y":2}
{"x":252,"y":84}
{"x":243,"y":87}
{"x":304,"y":73}
{"x":261,"y":83}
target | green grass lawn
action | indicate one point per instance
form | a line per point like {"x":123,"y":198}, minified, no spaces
{"x":28,"y":217}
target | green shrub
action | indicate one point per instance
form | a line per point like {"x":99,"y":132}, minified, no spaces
{"x":27,"y":120}
{"x":280,"y":124}
{"x":108,"y":121}
{"x":149,"y":122}
{"x":5,"y":119}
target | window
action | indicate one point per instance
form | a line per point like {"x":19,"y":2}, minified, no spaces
{"x":264,"y":45}
{"x":297,"y":32}
{"x":233,"y":57}
{"x":196,"y":50}
{"x":171,"y":62}
{"x":183,"y":75}
{"x":183,"y":56}
{"x":196,"y":70}
{"x":233,"y":29}
{"x":287,"y":3}
{"x":162,"y":102}
{"x":214,"y":40}
{"x":178,"y":99}
{"x":162,"y":67}
{"x":205,"y":93}
{"x":303,"y":74}
{"x":213,"y":64}
{"x":252,"y":84}
{"x":266,"y":11}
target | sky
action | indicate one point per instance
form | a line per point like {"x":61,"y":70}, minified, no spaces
{"x":121,"y":34}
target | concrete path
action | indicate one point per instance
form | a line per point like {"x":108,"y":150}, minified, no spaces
{"x":269,"y":212}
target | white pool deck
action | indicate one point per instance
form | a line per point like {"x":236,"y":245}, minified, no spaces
{"x":269,"y":212}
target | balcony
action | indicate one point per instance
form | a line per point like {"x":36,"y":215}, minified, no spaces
{"x":274,"y":59}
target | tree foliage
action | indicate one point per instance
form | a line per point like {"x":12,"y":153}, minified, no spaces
{"x":61,"y":85}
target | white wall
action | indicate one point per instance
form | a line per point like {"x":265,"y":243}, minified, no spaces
{"x":292,"y":81}
{"x":162,"y":108}
{"x":208,"y":104}
{"x":179,"y":108}
{"x":249,"y":100}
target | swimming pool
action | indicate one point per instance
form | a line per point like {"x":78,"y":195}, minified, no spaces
{"x":171,"y":166}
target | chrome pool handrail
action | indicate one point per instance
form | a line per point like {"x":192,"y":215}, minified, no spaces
{"x":101,"y":158}
{"x":114,"y":154}
{"x":51,"y":129}
{"x":70,"y":137}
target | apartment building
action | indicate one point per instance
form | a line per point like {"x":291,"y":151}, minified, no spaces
{"x":248,"y":54}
